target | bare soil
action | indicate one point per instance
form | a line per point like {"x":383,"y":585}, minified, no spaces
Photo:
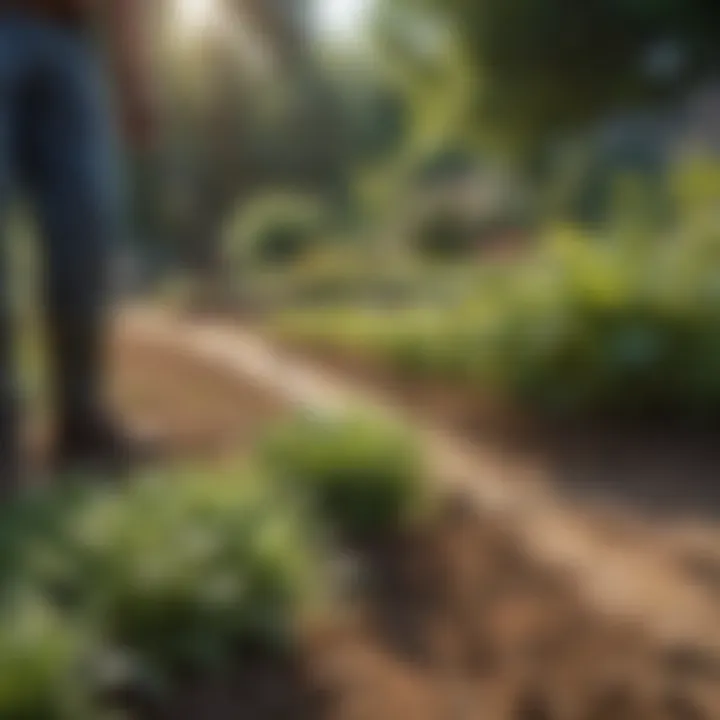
{"x":456,"y":623}
{"x":196,"y":412}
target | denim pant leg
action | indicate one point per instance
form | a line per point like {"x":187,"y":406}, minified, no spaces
{"x":70,"y":165}
{"x":9,"y":420}
{"x":11,"y":61}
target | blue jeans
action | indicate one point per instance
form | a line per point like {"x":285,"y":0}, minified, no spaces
{"x":57,"y":147}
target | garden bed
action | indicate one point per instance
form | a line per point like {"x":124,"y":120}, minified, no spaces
{"x":443,"y":615}
{"x":456,"y":622}
{"x":454,"y":618}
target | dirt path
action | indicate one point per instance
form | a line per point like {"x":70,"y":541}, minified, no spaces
{"x":668,"y":582}
{"x":197,"y":413}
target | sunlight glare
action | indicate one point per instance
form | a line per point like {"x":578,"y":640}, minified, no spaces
{"x":343,"y":20}
{"x":195,"y":16}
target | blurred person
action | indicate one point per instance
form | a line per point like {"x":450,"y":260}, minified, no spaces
{"x":58,"y":148}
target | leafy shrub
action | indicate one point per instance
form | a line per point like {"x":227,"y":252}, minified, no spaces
{"x":180,"y":572}
{"x":364,"y":473}
{"x":275,"y":229}
{"x":447,"y":164}
{"x":328,"y":275}
{"x":583,"y":324}
{"x":600,"y":325}
{"x":457,"y":219}
{"x":695,"y":191}
{"x":43,"y":661}
{"x":444,"y":234}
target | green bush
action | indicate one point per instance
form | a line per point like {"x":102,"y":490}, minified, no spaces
{"x":181,"y":571}
{"x":363,"y":472}
{"x":444,"y":235}
{"x":44,"y":661}
{"x":612,"y":323}
{"x":184,"y":571}
{"x":606,"y":325}
{"x":328,"y":275}
{"x":277,"y":229}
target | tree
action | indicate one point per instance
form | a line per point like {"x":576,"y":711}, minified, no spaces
{"x":547,"y":67}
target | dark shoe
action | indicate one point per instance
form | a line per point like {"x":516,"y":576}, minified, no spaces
{"x":10,"y":484}
{"x":102,"y":449}
{"x":10,"y":456}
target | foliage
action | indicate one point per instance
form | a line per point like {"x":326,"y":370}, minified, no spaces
{"x":104,"y":590}
{"x":444,"y":234}
{"x":378,"y":117}
{"x":345,"y":273}
{"x":619,"y":322}
{"x":598,"y":326}
{"x":275,"y":229}
{"x":543,"y":68}
{"x":329,"y":274}
{"x":695,"y":191}
{"x":363,"y":472}
{"x":43,"y":664}
{"x":180,"y":574}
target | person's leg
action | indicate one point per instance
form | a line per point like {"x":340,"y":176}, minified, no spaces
{"x":9,"y":420}
{"x":10,"y":62}
{"x":69,"y":151}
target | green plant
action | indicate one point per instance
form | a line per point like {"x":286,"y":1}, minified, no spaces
{"x":277,"y":229}
{"x":611,"y":323}
{"x":363,"y":472}
{"x":444,"y":234}
{"x":181,"y":572}
{"x":44,"y":660}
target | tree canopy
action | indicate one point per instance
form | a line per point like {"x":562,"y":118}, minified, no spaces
{"x":544,"y":67}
